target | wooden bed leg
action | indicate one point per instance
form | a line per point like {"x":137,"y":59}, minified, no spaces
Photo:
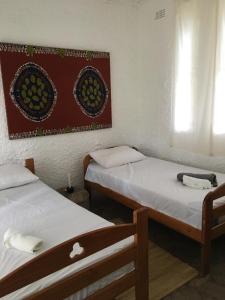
{"x":90,"y":198}
{"x":207,"y":220}
{"x":205,"y":258}
{"x":86,"y":162}
{"x":141,"y":263}
{"x":88,"y":188}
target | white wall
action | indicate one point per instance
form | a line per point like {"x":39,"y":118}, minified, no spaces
{"x":141,"y":55}
{"x":156,"y":50}
{"x":79,"y":24}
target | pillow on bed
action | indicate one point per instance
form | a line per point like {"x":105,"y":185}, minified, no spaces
{"x":12,"y":175}
{"x":117,"y":156}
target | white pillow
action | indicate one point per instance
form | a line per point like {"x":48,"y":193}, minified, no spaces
{"x":117,"y":156}
{"x":12,"y":175}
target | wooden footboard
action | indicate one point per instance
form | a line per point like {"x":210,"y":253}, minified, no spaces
{"x":83,"y":246}
{"x":211,"y":229}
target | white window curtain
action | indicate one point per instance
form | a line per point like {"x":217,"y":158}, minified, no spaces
{"x":199,"y":81}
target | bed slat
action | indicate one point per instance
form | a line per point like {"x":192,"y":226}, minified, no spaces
{"x":219,"y":211}
{"x":78,"y":281}
{"x":218,"y":230}
{"x":115,"y":288}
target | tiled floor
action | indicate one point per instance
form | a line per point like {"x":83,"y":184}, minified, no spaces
{"x":210,"y":287}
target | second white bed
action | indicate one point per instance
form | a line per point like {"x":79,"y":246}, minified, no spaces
{"x":152,"y":182}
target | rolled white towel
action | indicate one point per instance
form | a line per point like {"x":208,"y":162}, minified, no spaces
{"x":196,"y":183}
{"x":27,"y":243}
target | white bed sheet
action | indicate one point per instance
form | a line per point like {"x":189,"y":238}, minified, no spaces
{"x":152,"y":182}
{"x":38,"y":210}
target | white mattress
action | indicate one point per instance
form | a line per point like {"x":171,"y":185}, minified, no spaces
{"x":38,"y":210}
{"x":152,"y":182}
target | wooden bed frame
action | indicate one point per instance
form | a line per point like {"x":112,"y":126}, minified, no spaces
{"x":60,"y":256}
{"x":204,"y":236}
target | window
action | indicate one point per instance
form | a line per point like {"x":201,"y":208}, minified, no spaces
{"x":199,"y":82}
{"x":183,"y":101}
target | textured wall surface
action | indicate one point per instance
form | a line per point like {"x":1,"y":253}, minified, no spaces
{"x":156,"y":40}
{"x":90,"y":24}
{"x":141,"y":53}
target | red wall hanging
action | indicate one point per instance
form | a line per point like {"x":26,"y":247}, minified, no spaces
{"x":54,"y":90}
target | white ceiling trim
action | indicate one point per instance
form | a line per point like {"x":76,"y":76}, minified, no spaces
{"x":126,"y":2}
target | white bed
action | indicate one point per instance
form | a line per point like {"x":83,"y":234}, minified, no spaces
{"x":152,"y":182}
{"x":38,"y":210}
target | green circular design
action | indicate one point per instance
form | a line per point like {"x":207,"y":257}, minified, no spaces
{"x":91,"y":92}
{"x":33,"y":92}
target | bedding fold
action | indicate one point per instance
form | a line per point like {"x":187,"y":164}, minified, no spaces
{"x":27,"y":243}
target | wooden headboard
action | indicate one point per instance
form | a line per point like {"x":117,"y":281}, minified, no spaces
{"x":29,"y":164}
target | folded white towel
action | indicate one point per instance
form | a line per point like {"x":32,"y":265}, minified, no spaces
{"x":196,"y":183}
{"x":14,"y":239}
